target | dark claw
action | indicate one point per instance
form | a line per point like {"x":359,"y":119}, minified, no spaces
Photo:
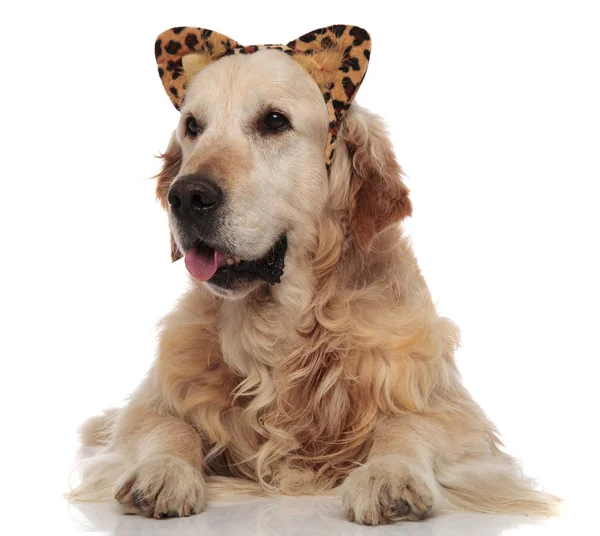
{"x":124,"y":490}
{"x":401,"y":508}
{"x":138,"y":499}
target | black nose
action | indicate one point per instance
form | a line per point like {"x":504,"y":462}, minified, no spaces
{"x":194,"y":196}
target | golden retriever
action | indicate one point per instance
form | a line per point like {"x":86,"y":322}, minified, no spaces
{"x":307,"y":357}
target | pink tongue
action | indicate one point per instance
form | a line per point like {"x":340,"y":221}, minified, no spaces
{"x":203,"y":264}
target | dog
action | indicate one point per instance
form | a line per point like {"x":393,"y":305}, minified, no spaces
{"x":307,"y":357}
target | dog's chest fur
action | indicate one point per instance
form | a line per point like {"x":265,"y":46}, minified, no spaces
{"x":295,"y":405}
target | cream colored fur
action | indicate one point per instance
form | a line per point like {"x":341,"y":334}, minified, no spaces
{"x":341,"y":378}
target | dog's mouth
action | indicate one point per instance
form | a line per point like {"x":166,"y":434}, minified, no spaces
{"x":217,"y":267}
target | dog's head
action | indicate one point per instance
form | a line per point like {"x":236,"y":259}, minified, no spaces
{"x":249,"y":168}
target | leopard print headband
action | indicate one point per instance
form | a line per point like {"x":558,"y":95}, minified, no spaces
{"x":336,"y":57}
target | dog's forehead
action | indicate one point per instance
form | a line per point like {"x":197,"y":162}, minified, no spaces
{"x":264,"y":75}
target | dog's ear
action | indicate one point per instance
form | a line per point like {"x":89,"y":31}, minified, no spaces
{"x":378,"y":197}
{"x":171,"y":163}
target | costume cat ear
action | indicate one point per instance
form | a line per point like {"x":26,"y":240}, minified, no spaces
{"x":184,"y":51}
{"x":336,"y":57}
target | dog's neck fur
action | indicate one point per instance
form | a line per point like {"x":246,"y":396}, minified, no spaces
{"x":267,"y":323}
{"x":284,"y":315}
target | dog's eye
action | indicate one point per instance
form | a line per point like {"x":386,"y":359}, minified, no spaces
{"x":192,"y":128}
{"x":276,"y":122}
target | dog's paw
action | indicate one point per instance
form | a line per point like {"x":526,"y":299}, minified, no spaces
{"x":385,"y":491}
{"x":162,"y":486}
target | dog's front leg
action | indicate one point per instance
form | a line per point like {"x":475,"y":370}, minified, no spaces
{"x":165,"y":479}
{"x":397,"y":481}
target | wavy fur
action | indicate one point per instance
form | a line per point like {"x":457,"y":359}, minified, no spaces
{"x":301,"y":387}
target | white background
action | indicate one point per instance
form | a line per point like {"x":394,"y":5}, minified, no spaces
{"x":494,"y":110}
